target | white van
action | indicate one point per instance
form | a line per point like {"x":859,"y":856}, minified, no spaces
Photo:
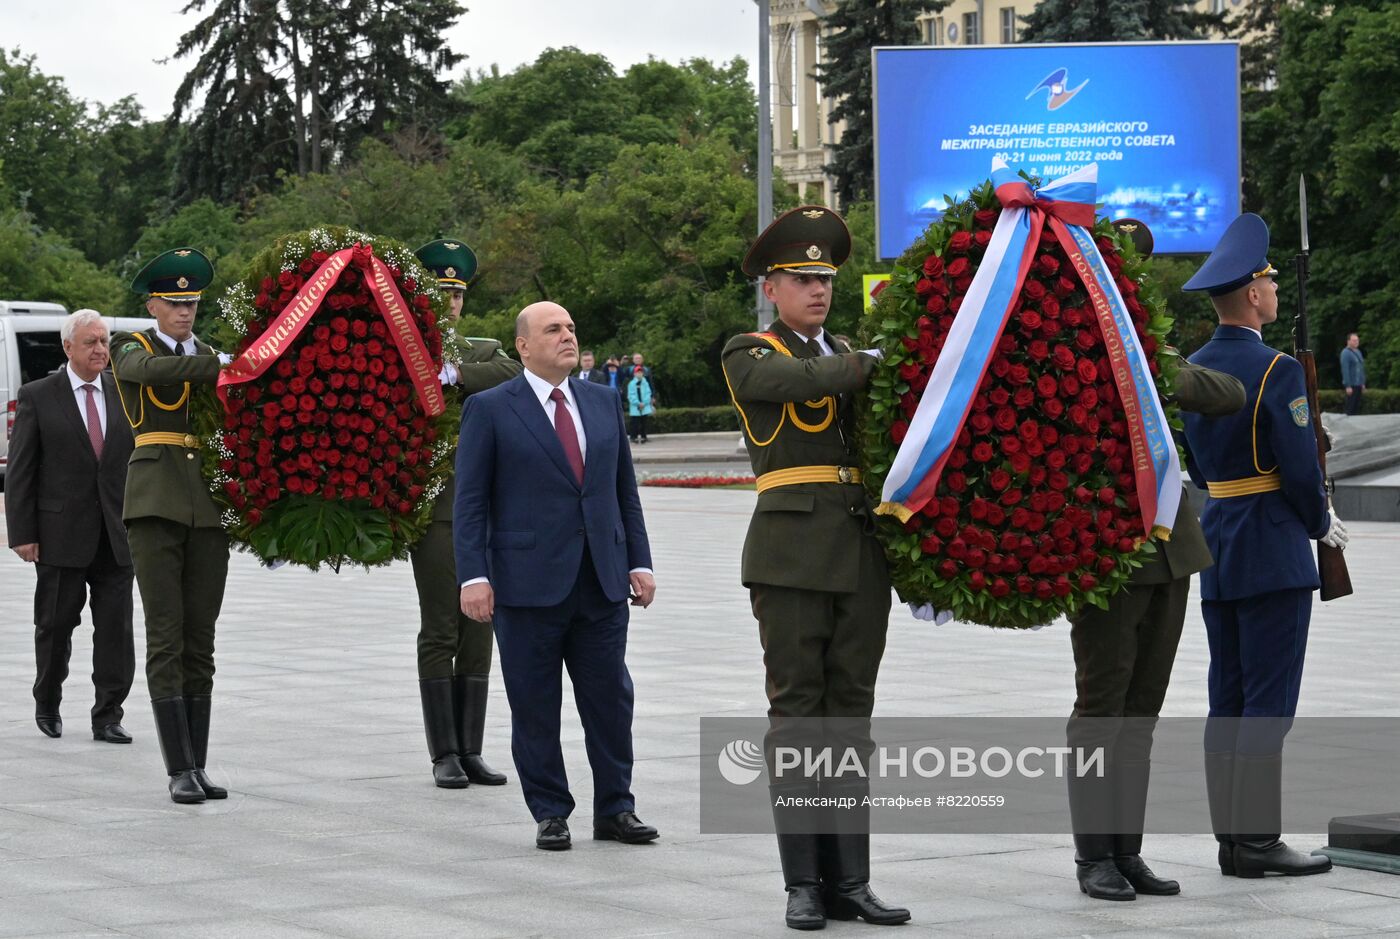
{"x":30,"y":348}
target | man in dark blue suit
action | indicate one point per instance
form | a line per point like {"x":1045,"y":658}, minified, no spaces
{"x":550,"y":542}
{"x":1267,"y":505}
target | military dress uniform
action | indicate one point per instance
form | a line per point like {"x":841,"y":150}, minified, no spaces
{"x":1123,"y":658}
{"x":816,"y":574}
{"x":454,"y":651}
{"x":1267,"y":504}
{"x":178,"y":546}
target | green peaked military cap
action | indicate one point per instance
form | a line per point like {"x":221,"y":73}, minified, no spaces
{"x":179,"y":275}
{"x":810,"y":239}
{"x":451,"y":260}
{"x":1138,"y":233}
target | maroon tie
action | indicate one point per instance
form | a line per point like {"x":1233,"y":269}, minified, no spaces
{"x":94,"y":422}
{"x":568,"y":434}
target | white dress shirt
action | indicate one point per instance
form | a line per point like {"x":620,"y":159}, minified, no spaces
{"x":186,"y":345}
{"x":542,"y":388}
{"x":98,"y":398}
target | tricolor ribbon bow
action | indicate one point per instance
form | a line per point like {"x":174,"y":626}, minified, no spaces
{"x":1066,"y":206}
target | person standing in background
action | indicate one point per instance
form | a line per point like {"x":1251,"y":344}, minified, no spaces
{"x":1353,"y":375}
{"x":639,"y":405}
{"x":454,"y":651}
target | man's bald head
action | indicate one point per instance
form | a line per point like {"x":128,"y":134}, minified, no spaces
{"x":545,"y":340}
{"x":533,"y":313}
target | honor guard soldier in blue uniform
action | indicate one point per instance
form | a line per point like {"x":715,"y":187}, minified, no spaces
{"x":454,"y":652}
{"x":816,"y":575}
{"x":1267,"y":505}
{"x":178,"y":545}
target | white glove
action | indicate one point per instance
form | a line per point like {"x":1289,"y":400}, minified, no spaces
{"x":928,"y":614}
{"x":876,"y":354}
{"x":225,"y":358}
{"x":448,"y":375}
{"x":1336,"y":535}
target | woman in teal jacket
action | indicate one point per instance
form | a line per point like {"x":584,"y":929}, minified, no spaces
{"x":639,"y":406}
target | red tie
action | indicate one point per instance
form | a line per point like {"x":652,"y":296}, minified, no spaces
{"x":94,"y":422}
{"x":568,"y":434}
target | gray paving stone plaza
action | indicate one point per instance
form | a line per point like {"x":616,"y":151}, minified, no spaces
{"x":333,"y":826}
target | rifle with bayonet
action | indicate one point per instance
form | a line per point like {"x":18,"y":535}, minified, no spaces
{"x":1331,"y":565}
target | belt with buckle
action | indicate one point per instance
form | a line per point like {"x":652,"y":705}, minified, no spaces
{"x":797,"y":475}
{"x":1249,"y":486}
{"x":157,"y":438}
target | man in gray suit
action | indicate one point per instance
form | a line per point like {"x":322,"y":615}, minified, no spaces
{"x":63,"y":506}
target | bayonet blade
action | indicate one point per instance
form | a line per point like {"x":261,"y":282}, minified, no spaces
{"x":1303,"y":210}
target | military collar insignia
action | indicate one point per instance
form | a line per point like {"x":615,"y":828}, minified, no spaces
{"x":814,"y":252}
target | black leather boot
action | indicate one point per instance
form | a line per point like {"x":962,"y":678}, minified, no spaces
{"x":798,"y":853}
{"x":849,"y":895}
{"x":1220,"y":784}
{"x":173,"y":732}
{"x":1096,"y":871}
{"x":1258,"y":805}
{"x":1130,"y":793}
{"x":440,"y":723}
{"x":469,"y":692}
{"x":197,"y":707}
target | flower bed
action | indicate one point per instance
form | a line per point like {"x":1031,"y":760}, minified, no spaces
{"x":334,"y":451}
{"x":1036,"y":512}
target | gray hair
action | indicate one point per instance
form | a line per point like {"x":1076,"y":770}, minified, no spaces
{"x":78,"y":320}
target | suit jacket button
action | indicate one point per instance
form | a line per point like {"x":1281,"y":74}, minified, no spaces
{"x":189,"y":456}
{"x":579,"y":532}
{"x":854,"y":510}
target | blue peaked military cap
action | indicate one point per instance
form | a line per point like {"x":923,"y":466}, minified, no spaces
{"x":1241,"y":257}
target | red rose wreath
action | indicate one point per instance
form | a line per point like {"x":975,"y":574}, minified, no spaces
{"x":1037,"y":511}
{"x":329,"y":446}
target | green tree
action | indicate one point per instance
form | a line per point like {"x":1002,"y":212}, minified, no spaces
{"x":44,"y":149}
{"x":133,"y":159}
{"x":1332,"y":117}
{"x":240,"y":136}
{"x":393,"y":80}
{"x":644,"y":255}
{"x":36,"y":264}
{"x":1118,"y":21}
{"x":854,"y":28}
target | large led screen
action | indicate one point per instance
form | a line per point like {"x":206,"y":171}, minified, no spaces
{"x":1162,"y":120}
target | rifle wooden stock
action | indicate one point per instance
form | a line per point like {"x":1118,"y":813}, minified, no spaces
{"x":1331,"y":562}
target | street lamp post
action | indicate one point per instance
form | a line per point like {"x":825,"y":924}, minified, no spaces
{"x":763,"y":310}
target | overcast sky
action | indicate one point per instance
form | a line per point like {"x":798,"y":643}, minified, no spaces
{"x":105,"y":50}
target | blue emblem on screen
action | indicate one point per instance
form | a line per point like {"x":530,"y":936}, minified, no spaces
{"x":1057,"y":85}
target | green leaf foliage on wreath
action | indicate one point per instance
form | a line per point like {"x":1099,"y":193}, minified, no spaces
{"x":1017,"y":537}
{"x":327,"y":457}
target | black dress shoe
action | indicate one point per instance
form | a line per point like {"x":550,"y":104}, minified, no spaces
{"x":625,"y":827}
{"x":211,"y":791}
{"x":858,"y":900}
{"x":805,"y":909}
{"x":1102,"y":880}
{"x":1225,"y":857}
{"x":552,"y":834}
{"x":479,"y":772}
{"x":1257,"y":858}
{"x":184,"y":788}
{"x":50,"y":724}
{"x":112,"y":733}
{"x":1137,"y":873}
